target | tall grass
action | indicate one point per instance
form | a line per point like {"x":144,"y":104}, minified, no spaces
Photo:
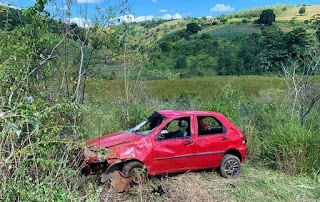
{"x":205,"y":88}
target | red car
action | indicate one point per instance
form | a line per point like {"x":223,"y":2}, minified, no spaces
{"x":171,"y":141}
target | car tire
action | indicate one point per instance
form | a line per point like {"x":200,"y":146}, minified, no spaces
{"x":230,"y":166}
{"x":136,"y":170}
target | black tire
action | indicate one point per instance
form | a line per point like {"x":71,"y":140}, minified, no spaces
{"x":136,"y":170}
{"x":230,"y":166}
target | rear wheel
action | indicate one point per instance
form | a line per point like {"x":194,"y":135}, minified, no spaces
{"x":230,"y":166}
{"x":136,"y":170}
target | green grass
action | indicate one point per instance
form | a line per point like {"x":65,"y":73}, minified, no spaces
{"x":234,"y":30}
{"x":203,"y":87}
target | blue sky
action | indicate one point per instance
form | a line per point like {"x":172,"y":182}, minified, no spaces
{"x":167,"y":9}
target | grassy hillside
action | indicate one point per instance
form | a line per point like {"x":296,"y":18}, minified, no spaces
{"x":232,"y":30}
{"x":293,"y":13}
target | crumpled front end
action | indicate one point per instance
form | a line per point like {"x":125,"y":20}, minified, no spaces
{"x":95,"y":163}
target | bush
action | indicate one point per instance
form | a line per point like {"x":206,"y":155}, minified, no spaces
{"x":205,"y":36}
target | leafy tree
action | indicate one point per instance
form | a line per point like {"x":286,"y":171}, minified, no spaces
{"x":302,"y":10}
{"x":185,"y":34}
{"x":297,"y":42}
{"x":214,"y":22}
{"x":267,"y":17}
{"x":317,"y":26}
{"x":181,"y":62}
{"x":193,"y":28}
{"x":224,"y":20}
{"x":227,"y":62}
{"x":165,"y":46}
{"x":205,"y":36}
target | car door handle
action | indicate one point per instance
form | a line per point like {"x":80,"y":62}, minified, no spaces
{"x":224,"y":139}
{"x":188,"y":142}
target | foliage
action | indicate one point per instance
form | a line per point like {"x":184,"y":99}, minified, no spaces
{"x":181,"y":63}
{"x":267,"y":17}
{"x":281,"y":47}
{"x":193,"y":28}
{"x":302,"y":10}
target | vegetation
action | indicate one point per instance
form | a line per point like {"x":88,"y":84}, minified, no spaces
{"x":302,"y":10}
{"x":254,"y":184}
{"x":267,"y":17}
{"x":61,"y":84}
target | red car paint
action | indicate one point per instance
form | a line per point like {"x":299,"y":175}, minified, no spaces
{"x":174,"y":155}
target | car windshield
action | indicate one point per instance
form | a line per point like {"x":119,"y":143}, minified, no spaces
{"x":147,"y":126}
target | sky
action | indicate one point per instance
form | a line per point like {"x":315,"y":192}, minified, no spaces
{"x":166,"y":9}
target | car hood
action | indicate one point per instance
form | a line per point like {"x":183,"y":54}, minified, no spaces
{"x":114,"y":139}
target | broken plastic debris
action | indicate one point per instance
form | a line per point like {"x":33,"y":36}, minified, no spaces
{"x":306,"y":186}
{"x":159,"y":190}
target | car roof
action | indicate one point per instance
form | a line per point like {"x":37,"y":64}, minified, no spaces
{"x":172,"y":113}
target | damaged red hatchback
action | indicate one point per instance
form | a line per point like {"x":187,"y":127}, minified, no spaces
{"x":168,"y":142}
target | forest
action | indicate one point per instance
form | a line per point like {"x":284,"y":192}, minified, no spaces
{"x":63,"y":83}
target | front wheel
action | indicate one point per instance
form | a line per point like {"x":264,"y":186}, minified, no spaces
{"x":230,"y":166}
{"x":136,"y":170}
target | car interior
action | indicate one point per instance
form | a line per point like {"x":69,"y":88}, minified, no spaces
{"x":178,"y":128}
{"x":208,"y":125}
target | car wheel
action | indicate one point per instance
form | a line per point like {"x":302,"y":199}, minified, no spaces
{"x":230,"y":166}
{"x":136,"y":170}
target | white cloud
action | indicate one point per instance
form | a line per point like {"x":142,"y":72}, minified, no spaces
{"x":127,"y":18}
{"x":169,"y":17}
{"x":163,"y":11}
{"x":131,"y":18}
{"x":89,"y":1}
{"x":144,"y":18}
{"x":222,"y":8}
{"x":154,"y":1}
{"x":4,"y":3}
{"x":81,"y":22}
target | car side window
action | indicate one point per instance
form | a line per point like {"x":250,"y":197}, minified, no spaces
{"x":208,"y":125}
{"x":177,"y":128}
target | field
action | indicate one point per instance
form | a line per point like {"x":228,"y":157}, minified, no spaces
{"x":234,"y":30}
{"x":203,"y":87}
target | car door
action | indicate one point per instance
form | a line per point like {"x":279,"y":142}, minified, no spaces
{"x":211,"y":141}
{"x":172,"y":153}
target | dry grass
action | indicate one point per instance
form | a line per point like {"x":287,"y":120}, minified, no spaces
{"x":254,"y":184}
{"x":294,"y":13}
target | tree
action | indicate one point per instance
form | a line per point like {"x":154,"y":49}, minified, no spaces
{"x":224,"y":20}
{"x":303,"y":87}
{"x":316,"y":20}
{"x":181,"y":62}
{"x":302,"y":10}
{"x":193,"y":28}
{"x":267,"y":17}
{"x":205,"y":36}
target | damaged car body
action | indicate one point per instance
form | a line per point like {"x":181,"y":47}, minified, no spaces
{"x":167,"y":142}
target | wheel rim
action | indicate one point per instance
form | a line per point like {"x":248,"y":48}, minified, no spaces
{"x":232,"y":168}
